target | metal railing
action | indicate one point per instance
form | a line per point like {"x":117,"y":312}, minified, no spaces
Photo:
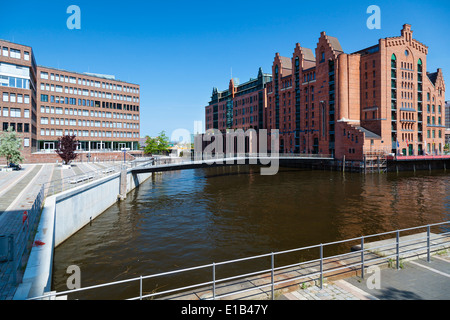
{"x":61,"y":185}
{"x":21,"y":240}
{"x":310,"y":270}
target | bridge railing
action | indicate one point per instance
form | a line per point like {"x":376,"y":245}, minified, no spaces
{"x":315,"y":269}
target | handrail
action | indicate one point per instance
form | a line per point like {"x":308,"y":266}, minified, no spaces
{"x":64,"y":184}
{"x":274,"y":283}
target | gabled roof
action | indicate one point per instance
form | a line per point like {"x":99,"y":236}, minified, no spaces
{"x":335,"y":44}
{"x":308,"y":54}
{"x":287,"y":62}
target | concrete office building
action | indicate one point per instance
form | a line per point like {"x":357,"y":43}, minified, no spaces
{"x":44,"y":104}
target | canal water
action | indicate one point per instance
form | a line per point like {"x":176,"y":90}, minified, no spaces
{"x":195,"y":217}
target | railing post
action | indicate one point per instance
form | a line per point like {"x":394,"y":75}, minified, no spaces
{"x":321,"y":266}
{"x":214,"y":281}
{"x":140,"y":288}
{"x":428,"y":244}
{"x":362,"y":257}
{"x":398,"y":250}
{"x":273,"y":276}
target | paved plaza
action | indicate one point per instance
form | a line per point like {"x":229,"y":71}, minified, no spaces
{"x":18,"y":191}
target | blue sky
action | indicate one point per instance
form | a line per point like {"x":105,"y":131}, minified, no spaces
{"x":177,"y":51}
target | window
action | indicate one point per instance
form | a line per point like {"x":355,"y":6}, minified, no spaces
{"x":44,"y":97}
{"x":44,"y":75}
{"x":16,"y":113}
{"x":26,"y":113}
{"x":26,"y":142}
{"x":5,"y":97}
{"x":14,"y":53}
{"x":5,"y":112}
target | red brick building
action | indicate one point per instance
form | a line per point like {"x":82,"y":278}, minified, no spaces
{"x":43,"y":104}
{"x":242,"y":106}
{"x":379,"y":100}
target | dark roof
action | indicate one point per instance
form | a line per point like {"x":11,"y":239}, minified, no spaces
{"x":432,"y":77}
{"x":368,"y":134}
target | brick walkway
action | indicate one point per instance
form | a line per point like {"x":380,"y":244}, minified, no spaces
{"x":18,"y":190}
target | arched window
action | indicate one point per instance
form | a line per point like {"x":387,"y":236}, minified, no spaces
{"x":393,"y":61}
{"x":419,"y":65}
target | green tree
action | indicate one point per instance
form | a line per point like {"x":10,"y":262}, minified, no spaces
{"x":163,"y":143}
{"x":151,"y":146}
{"x":158,"y":145}
{"x":10,"y":146}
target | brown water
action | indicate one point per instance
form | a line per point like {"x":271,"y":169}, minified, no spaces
{"x":196,"y":217}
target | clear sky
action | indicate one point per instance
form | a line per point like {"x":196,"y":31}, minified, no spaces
{"x":177,"y":51}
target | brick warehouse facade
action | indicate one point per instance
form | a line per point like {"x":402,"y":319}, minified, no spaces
{"x":379,"y":100}
{"x":43,"y":104}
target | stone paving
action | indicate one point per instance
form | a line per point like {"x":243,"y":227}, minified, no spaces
{"x":418,"y":279}
{"x":18,"y":190}
{"x":340,"y":291}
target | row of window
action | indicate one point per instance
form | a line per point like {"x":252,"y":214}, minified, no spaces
{"x":432,"y":121}
{"x":88,"y":103}
{"x":431,"y":134}
{"x":87,"y":113}
{"x":18,"y":127}
{"x":13,"y":98}
{"x":88,"y":133}
{"x":13,"y":82}
{"x":87,"y":123}
{"x":15,"y":113}
{"x":15,"y":53}
{"x":87,"y":93}
{"x":86,"y":82}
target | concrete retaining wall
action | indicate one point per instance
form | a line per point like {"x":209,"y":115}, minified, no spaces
{"x":63,"y":215}
{"x":77,"y":207}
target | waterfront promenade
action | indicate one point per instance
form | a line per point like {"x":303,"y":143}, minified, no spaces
{"x":18,"y":191}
